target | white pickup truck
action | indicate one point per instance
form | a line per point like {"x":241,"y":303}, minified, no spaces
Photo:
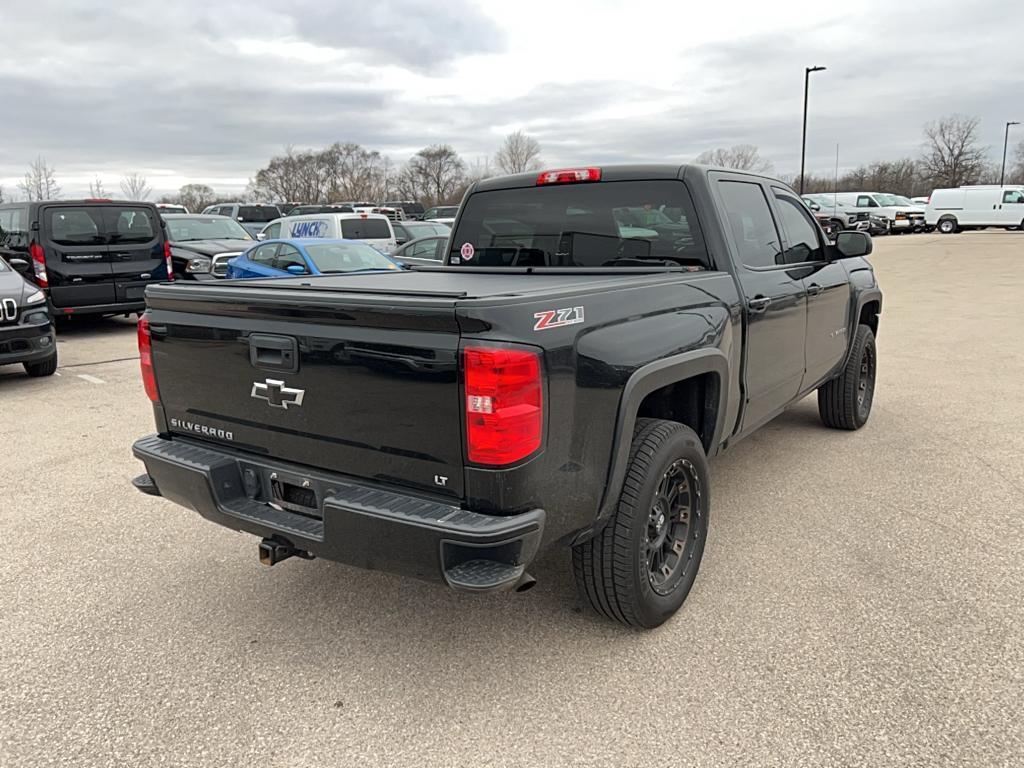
{"x":900,"y":214}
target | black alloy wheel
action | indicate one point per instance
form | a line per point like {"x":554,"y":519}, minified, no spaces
{"x":673,"y":527}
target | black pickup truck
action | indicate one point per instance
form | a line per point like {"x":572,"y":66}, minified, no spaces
{"x":595,"y":335}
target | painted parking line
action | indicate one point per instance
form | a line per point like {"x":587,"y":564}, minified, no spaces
{"x":91,"y":379}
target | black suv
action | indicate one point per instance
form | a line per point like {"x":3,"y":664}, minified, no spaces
{"x":88,"y":256}
{"x":412,"y":209}
{"x":26,"y":331}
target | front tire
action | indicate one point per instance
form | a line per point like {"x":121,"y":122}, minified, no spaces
{"x":45,"y":367}
{"x":845,"y":401}
{"x":639,"y":569}
{"x":947,"y":226}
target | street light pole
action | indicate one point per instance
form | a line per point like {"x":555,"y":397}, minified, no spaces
{"x":803,"y":143}
{"x":1006,"y":141}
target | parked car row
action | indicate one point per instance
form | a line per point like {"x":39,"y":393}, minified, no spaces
{"x":947,"y":210}
{"x":203,"y":246}
{"x":874,"y":212}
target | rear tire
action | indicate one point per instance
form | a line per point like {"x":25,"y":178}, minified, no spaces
{"x":845,"y":402}
{"x":45,"y":367}
{"x":947,"y":226}
{"x":639,"y":569}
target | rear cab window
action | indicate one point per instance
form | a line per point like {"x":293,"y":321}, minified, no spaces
{"x":601,"y":224}
{"x":258,"y":214}
{"x":365,"y":229}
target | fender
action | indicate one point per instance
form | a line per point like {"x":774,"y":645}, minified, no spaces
{"x":641,"y":383}
{"x":864,"y":296}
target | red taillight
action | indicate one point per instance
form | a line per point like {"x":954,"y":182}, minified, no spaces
{"x":39,"y":265}
{"x":146,"y":359}
{"x":168,"y":260}
{"x":569,"y":176}
{"x":504,"y":404}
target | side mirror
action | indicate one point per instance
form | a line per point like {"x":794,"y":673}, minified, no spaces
{"x":852,"y":244}
{"x":20,"y":265}
{"x":297,"y":269}
{"x":814,"y":206}
{"x":261,"y":235}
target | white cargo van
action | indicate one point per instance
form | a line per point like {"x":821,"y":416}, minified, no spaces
{"x":950,"y":210}
{"x":899,"y":216}
{"x":371,"y":228}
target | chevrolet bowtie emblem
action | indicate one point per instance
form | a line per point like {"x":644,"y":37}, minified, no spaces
{"x":276,"y":393}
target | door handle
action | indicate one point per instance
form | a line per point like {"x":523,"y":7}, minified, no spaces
{"x":759,"y":303}
{"x":122,"y":256}
{"x":274,"y":353}
{"x":814,"y":289}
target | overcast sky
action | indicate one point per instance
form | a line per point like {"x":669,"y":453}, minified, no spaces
{"x":199,"y":91}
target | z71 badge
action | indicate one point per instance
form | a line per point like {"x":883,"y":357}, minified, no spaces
{"x":556,"y":318}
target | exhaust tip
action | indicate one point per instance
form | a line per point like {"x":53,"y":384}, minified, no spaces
{"x":525,"y":584}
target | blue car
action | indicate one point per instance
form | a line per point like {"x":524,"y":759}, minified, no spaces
{"x":287,"y":258}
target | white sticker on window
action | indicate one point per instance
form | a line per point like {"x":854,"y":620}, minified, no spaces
{"x":467,"y":251}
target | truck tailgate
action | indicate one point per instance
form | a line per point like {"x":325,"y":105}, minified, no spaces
{"x":361,"y":384}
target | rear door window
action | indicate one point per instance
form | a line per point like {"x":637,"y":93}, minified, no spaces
{"x":365,"y":229}
{"x":126,"y":226}
{"x":264,"y":255}
{"x":428,"y":249}
{"x":75,"y":226}
{"x":750,"y":219}
{"x":604,"y":224}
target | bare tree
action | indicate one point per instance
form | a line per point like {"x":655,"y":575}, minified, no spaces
{"x":302,"y":176}
{"x":196,"y":197}
{"x":40,"y":181}
{"x":952,"y":156}
{"x":134,"y":187}
{"x":743,"y":157}
{"x":518,"y":153}
{"x":384,"y":180}
{"x":436,"y":173}
{"x":1016,"y":175}
{"x":96,"y":188}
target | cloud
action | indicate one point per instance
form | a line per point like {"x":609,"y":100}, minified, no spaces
{"x":199,"y":90}
{"x":420,"y":36}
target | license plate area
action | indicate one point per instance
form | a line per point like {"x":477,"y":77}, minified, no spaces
{"x":294,"y":497}
{"x":285,"y":490}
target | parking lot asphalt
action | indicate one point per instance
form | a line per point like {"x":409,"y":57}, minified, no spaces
{"x":860,"y":601}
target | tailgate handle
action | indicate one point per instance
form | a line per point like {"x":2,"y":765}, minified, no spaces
{"x":274,"y":353}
